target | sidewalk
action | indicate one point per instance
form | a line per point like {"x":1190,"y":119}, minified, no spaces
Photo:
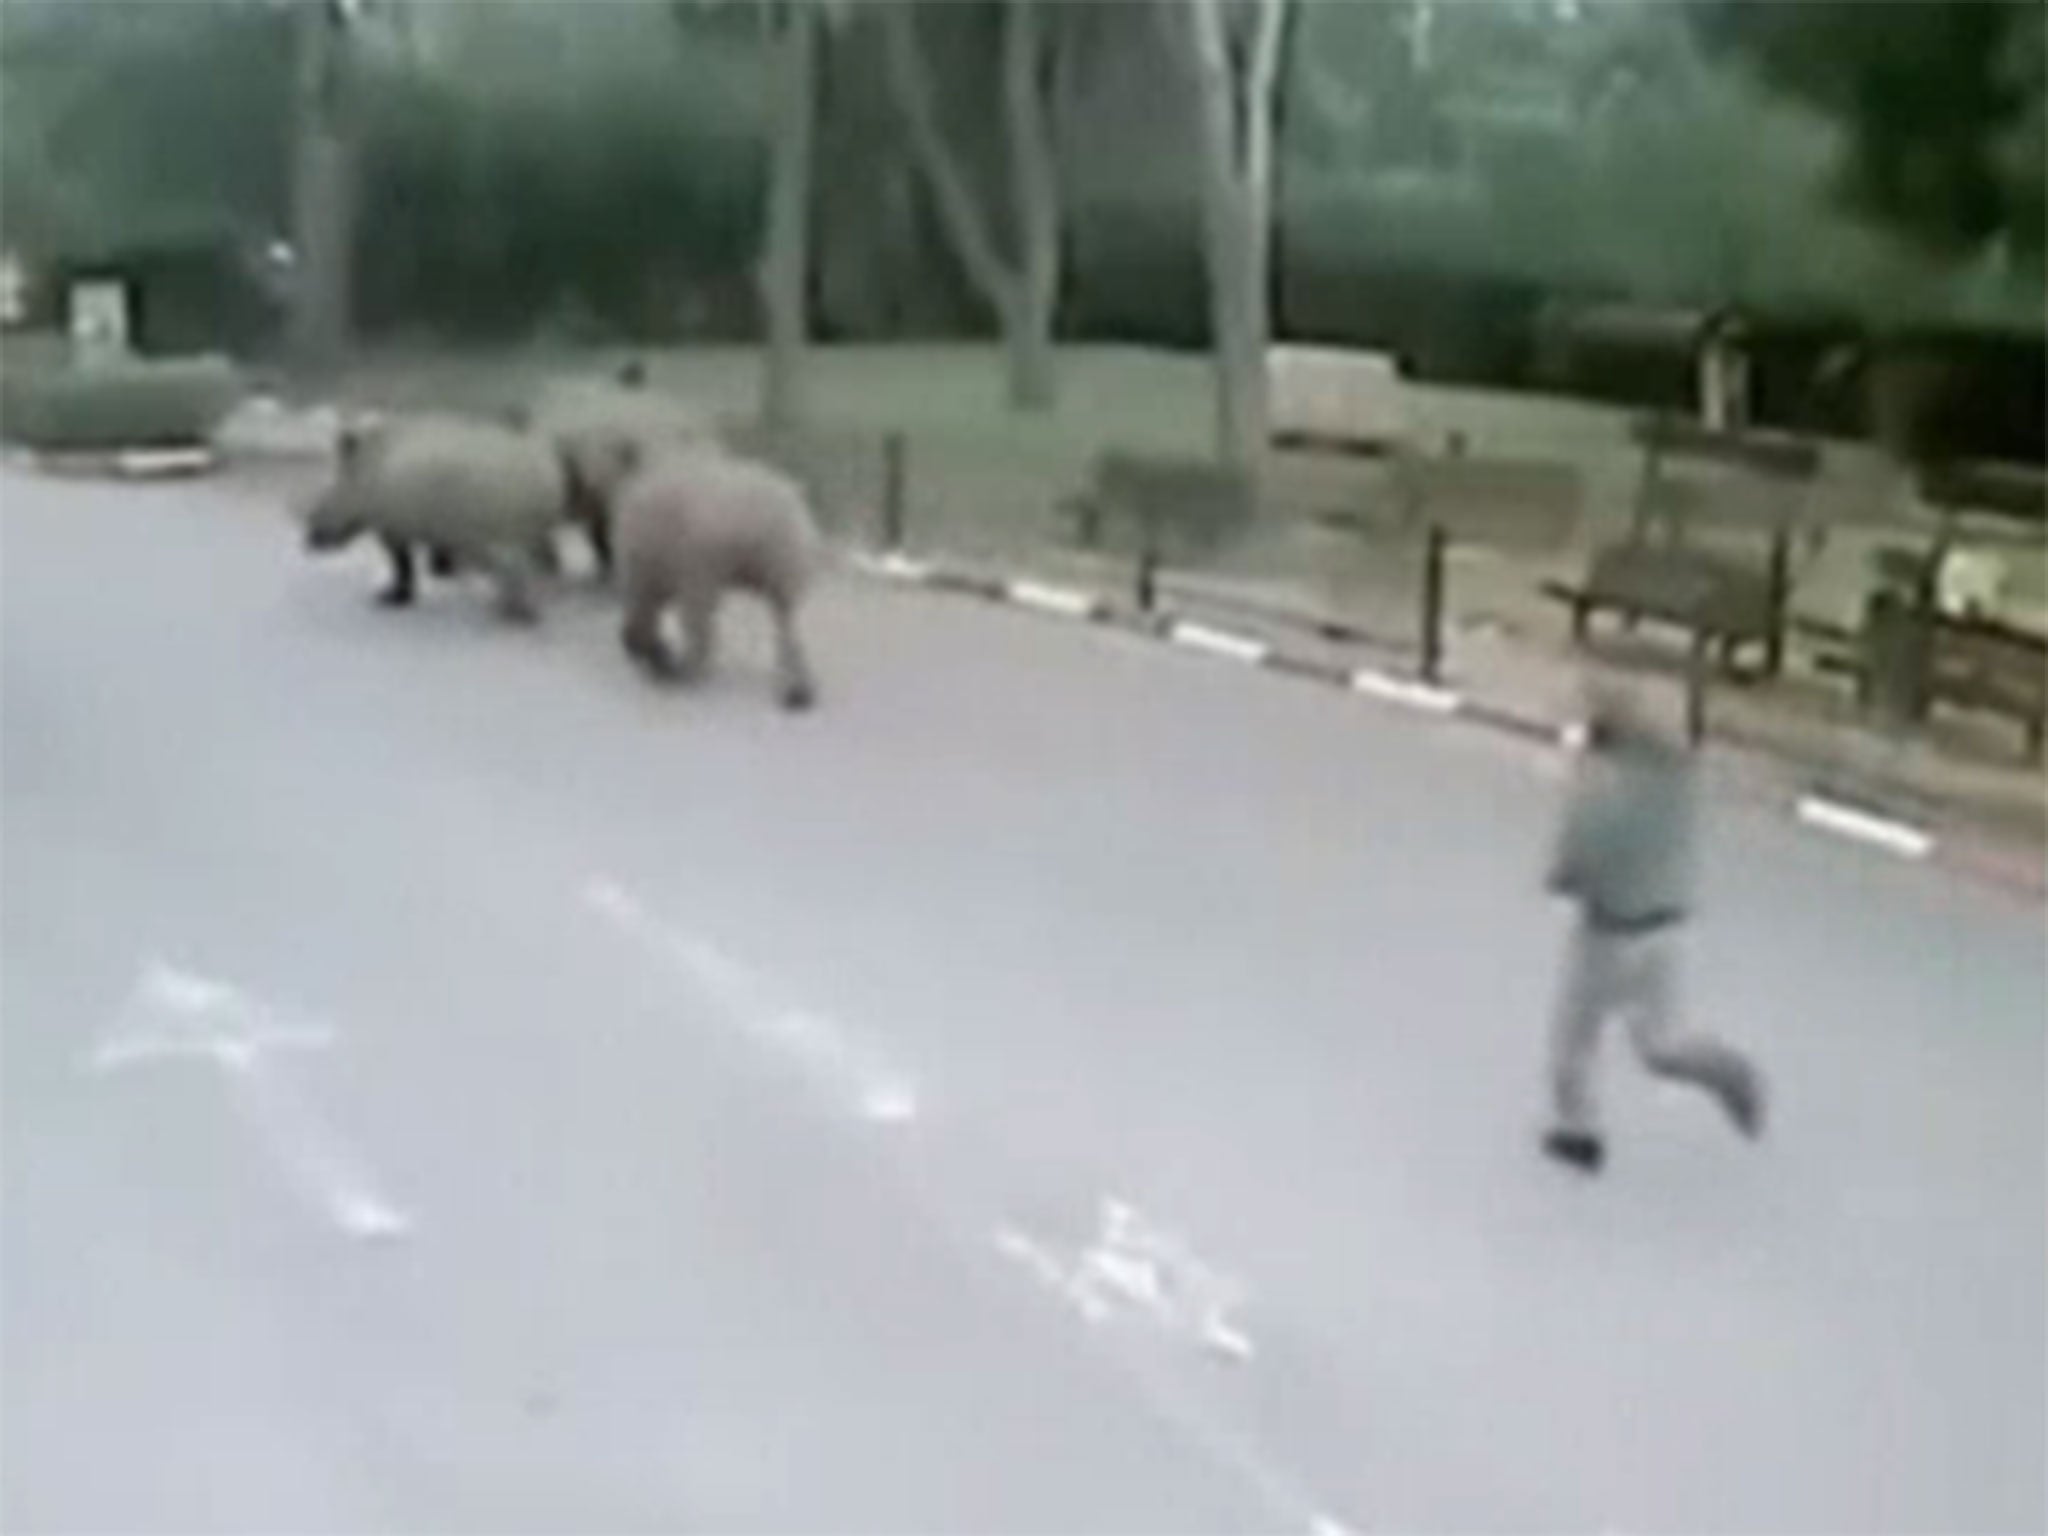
{"x":1510,"y":662}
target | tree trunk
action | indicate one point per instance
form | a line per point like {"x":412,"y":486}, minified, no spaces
{"x":1034,"y":176}
{"x":323,"y":190}
{"x":1024,"y":296}
{"x":1238,"y":315}
{"x":1033,"y":370}
{"x":785,"y":263}
{"x":1255,"y":218}
{"x":1236,"y":129}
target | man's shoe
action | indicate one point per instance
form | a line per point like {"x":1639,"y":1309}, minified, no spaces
{"x":1581,"y":1150}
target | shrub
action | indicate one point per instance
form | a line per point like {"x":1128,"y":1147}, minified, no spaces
{"x":135,"y":403}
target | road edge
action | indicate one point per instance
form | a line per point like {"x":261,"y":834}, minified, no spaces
{"x":1791,"y":790}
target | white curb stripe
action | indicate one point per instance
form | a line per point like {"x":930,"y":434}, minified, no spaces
{"x":1398,"y":690}
{"x":129,"y":463}
{"x":897,"y":567}
{"x":147,"y":462}
{"x":1892,"y":836}
{"x":1063,"y":601}
{"x":1218,"y":642}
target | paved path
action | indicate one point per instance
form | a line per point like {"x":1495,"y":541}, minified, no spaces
{"x":450,"y":1086}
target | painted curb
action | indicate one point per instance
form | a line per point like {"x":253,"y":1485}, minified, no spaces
{"x":127,"y":464}
{"x":1854,"y":822}
{"x":1822,"y":812}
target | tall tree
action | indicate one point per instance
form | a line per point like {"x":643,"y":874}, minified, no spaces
{"x":323,"y":189}
{"x":1022,"y":288}
{"x":1232,"y":54}
{"x":786,"y":257}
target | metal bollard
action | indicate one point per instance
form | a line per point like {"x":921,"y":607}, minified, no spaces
{"x":1146,"y":577}
{"x":1780,"y":579}
{"x":1696,"y":687}
{"x":895,"y":483}
{"x":1432,"y":638}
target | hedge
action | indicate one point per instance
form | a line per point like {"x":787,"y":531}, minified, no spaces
{"x":136,"y":403}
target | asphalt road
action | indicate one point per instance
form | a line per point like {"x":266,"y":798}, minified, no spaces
{"x":451,"y":1086}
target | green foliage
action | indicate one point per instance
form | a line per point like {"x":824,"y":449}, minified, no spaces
{"x":591,"y":167}
{"x":1602,"y":150}
{"x":588,"y":168}
{"x":138,"y":403}
{"x":490,"y":214}
{"x":130,"y":123}
{"x":883,"y":266}
{"x":1942,"y":104}
{"x":596,"y":169}
{"x":1136,"y":272}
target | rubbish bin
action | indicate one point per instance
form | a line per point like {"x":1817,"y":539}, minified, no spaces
{"x":1897,"y":639}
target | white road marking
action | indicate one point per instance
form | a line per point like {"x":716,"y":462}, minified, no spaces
{"x":1400,"y":690}
{"x":1045,"y":1267}
{"x":1845,"y":820}
{"x":738,"y":990}
{"x":842,"y":1065}
{"x":613,"y":900}
{"x":1222,"y":1337}
{"x":1135,"y":1266}
{"x":328,"y":1173}
{"x":1063,"y":601}
{"x":1146,"y":1279}
{"x":889,"y":1104}
{"x":1132,"y":1266}
{"x":1217,"y":642}
{"x":175,"y":1013}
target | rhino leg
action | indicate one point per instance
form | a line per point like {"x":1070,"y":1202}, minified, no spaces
{"x":640,"y":633}
{"x":512,"y":570}
{"x":404,"y":584}
{"x":588,"y":510}
{"x":546,"y":558}
{"x":598,"y":529}
{"x":699,"y":603}
{"x":796,"y":685}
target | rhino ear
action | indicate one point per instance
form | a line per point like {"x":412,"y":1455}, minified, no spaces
{"x":353,"y":439}
{"x":349,"y":444}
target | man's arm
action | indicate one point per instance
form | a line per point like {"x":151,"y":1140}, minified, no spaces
{"x":1571,"y":857}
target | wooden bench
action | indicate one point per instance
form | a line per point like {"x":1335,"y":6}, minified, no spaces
{"x":1968,"y":660}
{"x":1781,"y":456}
{"x":1169,"y":504}
{"x":1982,"y":664}
{"x":2015,"y":491}
{"x":1495,"y":503}
{"x":1499,"y":503}
{"x":1754,"y":482}
{"x":1728,"y":604}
